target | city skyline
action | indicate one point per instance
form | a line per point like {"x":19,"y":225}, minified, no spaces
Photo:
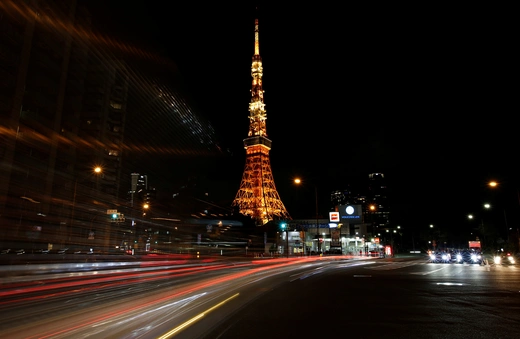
{"x":418,"y":94}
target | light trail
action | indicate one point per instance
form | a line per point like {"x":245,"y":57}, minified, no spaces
{"x":194,"y":319}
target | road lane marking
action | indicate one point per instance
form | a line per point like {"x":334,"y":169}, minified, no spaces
{"x":430,"y":272}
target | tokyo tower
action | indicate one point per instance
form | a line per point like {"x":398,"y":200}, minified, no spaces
{"x":257,"y":196}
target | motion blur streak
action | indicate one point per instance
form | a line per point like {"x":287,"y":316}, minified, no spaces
{"x":450,"y":284}
{"x":304,"y":275}
{"x":194,"y":319}
{"x":20,"y":9}
{"x":104,"y":318}
{"x":128,"y":278}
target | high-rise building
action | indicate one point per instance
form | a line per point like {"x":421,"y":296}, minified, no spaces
{"x":257,"y":196}
{"x":377,"y":195}
{"x":372,"y":197}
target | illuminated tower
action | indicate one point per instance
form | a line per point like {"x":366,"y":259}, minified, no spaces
{"x":257,"y":196}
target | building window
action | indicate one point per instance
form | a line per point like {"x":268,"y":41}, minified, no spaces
{"x":115,"y":105}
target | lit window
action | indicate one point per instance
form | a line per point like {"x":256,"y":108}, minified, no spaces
{"x":115,"y":105}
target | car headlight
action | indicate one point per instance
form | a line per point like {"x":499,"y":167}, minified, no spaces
{"x":511,"y":260}
{"x":497,"y":260}
{"x":459,"y":257}
{"x":444,"y":257}
{"x":432,"y":256}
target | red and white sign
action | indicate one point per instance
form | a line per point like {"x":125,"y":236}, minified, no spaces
{"x":474,"y":244}
{"x":334,"y":216}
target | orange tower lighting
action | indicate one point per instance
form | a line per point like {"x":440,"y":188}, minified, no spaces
{"x":257,"y":196}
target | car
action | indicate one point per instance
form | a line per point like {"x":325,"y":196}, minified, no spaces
{"x":470,"y":257}
{"x":334,"y":251}
{"x":11,"y":251}
{"x":440,"y":257}
{"x":42,"y":251}
{"x":502,"y":258}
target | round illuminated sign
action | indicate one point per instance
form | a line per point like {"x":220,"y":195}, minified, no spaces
{"x":350,"y":210}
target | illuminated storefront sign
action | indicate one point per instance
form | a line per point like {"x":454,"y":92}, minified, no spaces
{"x":351,"y":214}
{"x":334,"y":216}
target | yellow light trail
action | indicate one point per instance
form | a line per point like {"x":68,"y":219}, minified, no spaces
{"x":194,"y":319}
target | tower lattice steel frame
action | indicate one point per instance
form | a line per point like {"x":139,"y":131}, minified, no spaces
{"x":257,"y":196}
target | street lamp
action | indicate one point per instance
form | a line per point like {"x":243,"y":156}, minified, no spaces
{"x":482,"y":229}
{"x":298,"y":181}
{"x":372,"y":209}
{"x":431,"y":235}
{"x":400,"y":239}
{"x":96,"y":170}
{"x":317,"y":219}
{"x":494,"y":184}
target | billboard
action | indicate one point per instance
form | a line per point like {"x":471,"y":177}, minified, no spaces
{"x":352,"y":214}
{"x":334,"y":217}
{"x":474,"y":244}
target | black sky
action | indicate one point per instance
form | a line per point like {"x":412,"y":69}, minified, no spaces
{"x":422,"y":93}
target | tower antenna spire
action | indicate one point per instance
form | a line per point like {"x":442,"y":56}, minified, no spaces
{"x":257,"y":41}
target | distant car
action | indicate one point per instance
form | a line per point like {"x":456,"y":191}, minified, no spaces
{"x":334,"y":251}
{"x":10,"y":251}
{"x":470,"y":257}
{"x":457,"y":257}
{"x":59,"y":251}
{"x":440,"y":257}
{"x":502,"y":258}
{"x":377,"y":254}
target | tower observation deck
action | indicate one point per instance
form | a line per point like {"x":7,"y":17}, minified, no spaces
{"x":257,"y":196}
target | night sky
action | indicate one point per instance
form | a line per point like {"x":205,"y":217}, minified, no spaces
{"x":421,"y":93}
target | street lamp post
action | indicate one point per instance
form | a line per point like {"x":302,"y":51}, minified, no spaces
{"x":97,"y":170}
{"x":400,"y":239}
{"x":372,"y":209}
{"x":482,"y":228}
{"x":298,"y":181}
{"x":433,"y":240}
{"x":317,"y":219}
{"x":493,"y":184}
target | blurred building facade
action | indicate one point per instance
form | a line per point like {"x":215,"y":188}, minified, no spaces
{"x":72,"y":101}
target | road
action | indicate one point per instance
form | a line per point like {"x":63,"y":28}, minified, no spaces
{"x":297,"y":298}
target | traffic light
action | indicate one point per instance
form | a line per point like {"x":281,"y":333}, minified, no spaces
{"x":283,"y":226}
{"x":117,"y":217}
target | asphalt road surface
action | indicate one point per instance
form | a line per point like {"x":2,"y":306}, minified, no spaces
{"x":296,"y":298}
